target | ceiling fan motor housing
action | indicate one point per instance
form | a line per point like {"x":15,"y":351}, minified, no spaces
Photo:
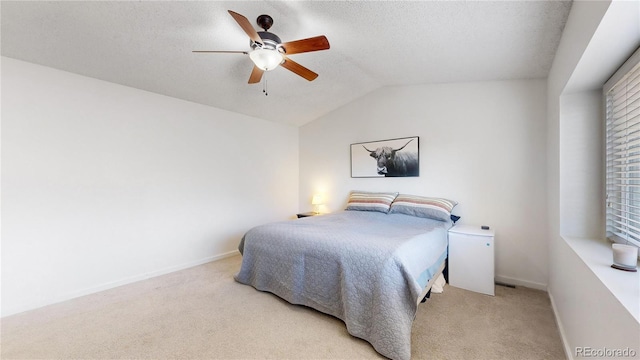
{"x":270,"y":40}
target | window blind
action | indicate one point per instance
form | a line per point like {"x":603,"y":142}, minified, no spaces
{"x":622,"y":111}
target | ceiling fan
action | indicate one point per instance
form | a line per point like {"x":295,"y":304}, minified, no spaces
{"x":268,"y":51}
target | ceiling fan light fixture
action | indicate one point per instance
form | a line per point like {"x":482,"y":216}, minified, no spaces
{"x":266,"y":59}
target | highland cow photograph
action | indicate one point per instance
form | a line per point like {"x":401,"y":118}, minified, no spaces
{"x":386,"y":158}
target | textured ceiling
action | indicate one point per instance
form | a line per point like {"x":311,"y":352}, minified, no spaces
{"x":147,"y":45}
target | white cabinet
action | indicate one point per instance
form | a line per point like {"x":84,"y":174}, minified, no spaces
{"x":471,"y":258}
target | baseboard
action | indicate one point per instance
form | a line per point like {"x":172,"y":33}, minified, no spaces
{"x":518,"y":282}
{"x":113,"y":284}
{"x":563,"y":336}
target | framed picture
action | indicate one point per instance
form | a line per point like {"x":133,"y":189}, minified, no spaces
{"x":386,"y":158}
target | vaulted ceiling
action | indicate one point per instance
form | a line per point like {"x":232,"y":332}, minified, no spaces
{"x":148,"y":45}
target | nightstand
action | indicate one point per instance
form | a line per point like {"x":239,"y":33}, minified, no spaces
{"x":311,"y":213}
{"x":471,"y":258}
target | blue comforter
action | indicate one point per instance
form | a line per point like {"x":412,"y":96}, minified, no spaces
{"x":365,"y":268}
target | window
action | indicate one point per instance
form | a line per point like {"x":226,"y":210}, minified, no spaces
{"x":622,"y":113}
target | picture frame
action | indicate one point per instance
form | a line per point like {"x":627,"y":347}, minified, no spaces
{"x":398,"y":157}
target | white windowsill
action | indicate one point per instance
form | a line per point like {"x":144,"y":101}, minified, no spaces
{"x":598,"y":256}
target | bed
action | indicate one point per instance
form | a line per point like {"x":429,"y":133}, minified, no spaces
{"x":368,"y":268}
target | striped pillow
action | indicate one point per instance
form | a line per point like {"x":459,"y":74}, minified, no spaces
{"x":370,"y":201}
{"x":420,"y":206}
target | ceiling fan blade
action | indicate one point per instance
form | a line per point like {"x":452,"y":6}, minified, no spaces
{"x":306,"y":45}
{"x":256,"y":75}
{"x":298,"y":69}
{"x":220,"y":51}
{"x":246,"y":26}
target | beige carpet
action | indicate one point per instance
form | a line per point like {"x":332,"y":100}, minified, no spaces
{"x":202,"y":313}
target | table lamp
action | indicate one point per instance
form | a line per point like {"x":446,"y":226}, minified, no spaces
{"x":316,"y":201}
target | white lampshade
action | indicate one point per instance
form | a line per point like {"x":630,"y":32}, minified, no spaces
{"x":266,"y":59}
{"x":316,"y":200}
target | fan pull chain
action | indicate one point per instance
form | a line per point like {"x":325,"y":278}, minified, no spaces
{"x":264,"y":85}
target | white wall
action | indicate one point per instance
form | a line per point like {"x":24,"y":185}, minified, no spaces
{"x":588,"y":311}
{"x":481,"y":144}
{"x":104,"y":184}
{"x":581,"y":164}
